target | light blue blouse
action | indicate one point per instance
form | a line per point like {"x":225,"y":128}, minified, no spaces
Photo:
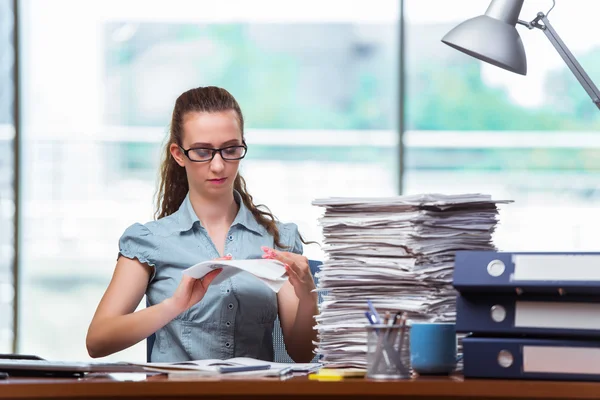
{"x":235,"y":318}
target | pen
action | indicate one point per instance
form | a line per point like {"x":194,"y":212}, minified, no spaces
{"x":371,"y":318}
{"x":374,"y":312}
{"x":403,"y":322}
{"x":396,"y":316}
{"x":242,"y":368}
{"x":401,"y":330}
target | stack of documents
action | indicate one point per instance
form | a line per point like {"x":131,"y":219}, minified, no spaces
{"x":397,"y":252}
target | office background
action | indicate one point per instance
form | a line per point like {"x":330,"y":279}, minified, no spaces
{"x":341,"y":98}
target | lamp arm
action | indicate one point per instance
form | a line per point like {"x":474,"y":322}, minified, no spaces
{"x":567,"y":56}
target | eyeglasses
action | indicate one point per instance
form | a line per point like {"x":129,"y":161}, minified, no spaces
{"x":205,"y":154}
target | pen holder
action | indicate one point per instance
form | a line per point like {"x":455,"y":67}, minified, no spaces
{"x":388,"y":354}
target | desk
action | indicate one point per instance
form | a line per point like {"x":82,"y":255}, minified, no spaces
{"x":159,"y":387}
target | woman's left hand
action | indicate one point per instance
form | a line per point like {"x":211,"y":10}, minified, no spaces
{"x":297,"y":269}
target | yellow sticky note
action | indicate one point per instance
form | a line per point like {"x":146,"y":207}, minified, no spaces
{"x":346,"y":372}
{"x":324,"y":378}
{"x":336,"y":374}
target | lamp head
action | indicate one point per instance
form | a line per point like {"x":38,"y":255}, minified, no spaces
{"x":492,"y":37}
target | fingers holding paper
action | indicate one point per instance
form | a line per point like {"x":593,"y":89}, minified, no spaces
{"x":191,"y":290}
{"x":297,"y":269}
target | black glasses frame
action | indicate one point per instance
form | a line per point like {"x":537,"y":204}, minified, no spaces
{"x":214,"y":152}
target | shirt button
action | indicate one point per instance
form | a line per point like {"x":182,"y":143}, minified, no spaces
{"x":230,"y":237}
{"x":227,"y":344}
{"x":228,"y":290}
{"x":228,"y":323}
{"x":230,"y":306}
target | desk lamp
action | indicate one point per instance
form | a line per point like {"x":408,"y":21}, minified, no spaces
{"x":493,"y":38}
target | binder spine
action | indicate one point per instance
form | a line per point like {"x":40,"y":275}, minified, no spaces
{"x":541,"y":316}
{"x":509,"y":358}
{"x":519,"y":273}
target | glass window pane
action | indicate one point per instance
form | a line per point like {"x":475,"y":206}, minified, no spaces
{"x":7,"y":198}
{"x":475,"y":127}
{"x":316,"y":81}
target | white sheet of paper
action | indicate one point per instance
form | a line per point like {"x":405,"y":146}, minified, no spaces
{"x":271,"y":272}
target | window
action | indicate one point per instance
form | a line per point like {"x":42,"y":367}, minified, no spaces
{"x":7,"y":174}
{"x":317,"y":83}
{"x":534,"y":139}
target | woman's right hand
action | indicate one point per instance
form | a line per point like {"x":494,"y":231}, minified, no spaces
{"x":191,"y":290}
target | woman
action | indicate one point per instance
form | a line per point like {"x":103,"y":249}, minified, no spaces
{"x":205,"y":212}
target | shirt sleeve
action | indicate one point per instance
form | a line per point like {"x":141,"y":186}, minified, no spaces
{"x":290,"y":237}
{"x":138,"y":242}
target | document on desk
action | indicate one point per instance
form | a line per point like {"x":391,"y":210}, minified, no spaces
{"x":271,"y":272}
{"x":398,"y":252}
{"x":215,"y":366}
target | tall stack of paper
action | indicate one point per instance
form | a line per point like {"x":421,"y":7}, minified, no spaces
{"x":397,"y":252}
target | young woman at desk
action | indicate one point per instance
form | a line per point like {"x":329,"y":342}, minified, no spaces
{"x":205,"y":212}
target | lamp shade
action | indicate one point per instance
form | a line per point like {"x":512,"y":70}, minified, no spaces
{"x":492,"y":37}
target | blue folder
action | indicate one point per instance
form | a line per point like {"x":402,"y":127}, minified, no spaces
{"x":505,"y":315}
{"x":506,"y":272}
{"x":520,"y":358}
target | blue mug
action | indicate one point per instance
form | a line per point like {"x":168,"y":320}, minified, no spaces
{"x":433,"y":348}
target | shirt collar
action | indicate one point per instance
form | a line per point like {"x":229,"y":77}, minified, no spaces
{"x":187,"y":216}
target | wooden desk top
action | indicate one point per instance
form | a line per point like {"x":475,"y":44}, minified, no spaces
{"x":160,"y":387}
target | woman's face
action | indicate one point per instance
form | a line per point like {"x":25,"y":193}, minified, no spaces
{"x":213,"y":131}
